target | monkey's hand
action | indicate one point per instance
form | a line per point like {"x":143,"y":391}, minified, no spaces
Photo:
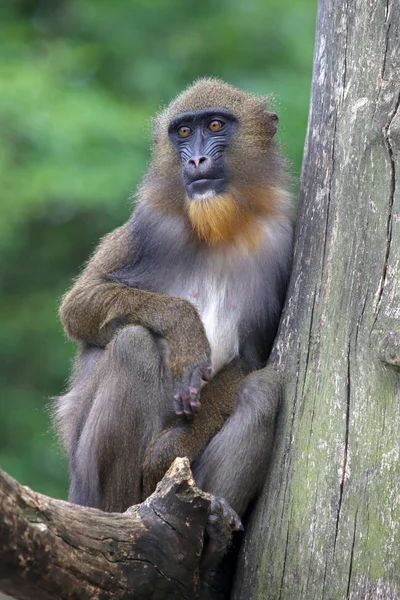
{"x":189,"y":358}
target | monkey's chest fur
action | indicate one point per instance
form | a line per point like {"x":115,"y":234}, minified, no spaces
{"x":219,"y":293}
{"x":228,"y":286}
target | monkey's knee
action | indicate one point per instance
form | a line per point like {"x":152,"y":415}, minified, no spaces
{"x":260,"y":394}
{"x":129,"y":338}
{"x":134,"y":347}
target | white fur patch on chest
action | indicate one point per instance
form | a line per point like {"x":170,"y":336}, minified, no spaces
{"x":220,"y":288}
{"x":221,"y":322}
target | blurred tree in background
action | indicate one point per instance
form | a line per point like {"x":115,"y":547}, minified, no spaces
{"x":79,"y":82}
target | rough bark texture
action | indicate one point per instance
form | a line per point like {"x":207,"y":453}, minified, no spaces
{"x":328,"y":523}
{"x":50,"y":549}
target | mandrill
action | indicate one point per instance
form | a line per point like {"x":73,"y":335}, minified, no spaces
{"x":177,"y":310}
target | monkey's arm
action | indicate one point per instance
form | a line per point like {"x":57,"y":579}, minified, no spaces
{"x":96,"y":307}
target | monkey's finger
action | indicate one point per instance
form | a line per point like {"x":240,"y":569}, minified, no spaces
{"x":186,"y":406}
{"x":181,"y":394}
{"x":206,"y":374}
{"x":194,"y":390}
{"x":194,"y":399}
{"x":178,"y":405}
{"x":195,"y":382}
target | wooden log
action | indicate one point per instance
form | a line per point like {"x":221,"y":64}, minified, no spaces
{"x":51,"y":549}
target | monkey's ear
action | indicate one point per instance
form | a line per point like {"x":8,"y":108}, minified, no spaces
{"x":272,"y":120}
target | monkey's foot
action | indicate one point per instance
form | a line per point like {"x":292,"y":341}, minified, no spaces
{"x":222,"y":520}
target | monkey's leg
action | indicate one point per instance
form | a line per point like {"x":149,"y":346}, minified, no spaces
{"x":235,"y":463}
{"x":234,"y":466}
{"x":131,"y":402}
{"x":229,"y":440}
{"x":189,"y":438}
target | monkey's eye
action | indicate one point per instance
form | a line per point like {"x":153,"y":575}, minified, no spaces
{"x":215,"y":125}
{"x":184,"y":131}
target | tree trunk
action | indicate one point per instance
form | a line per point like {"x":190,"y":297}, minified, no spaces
{"x":328,"y":523}
{"x":50,"y":549}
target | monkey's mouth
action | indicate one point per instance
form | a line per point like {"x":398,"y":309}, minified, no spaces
{"x":205,"y":187}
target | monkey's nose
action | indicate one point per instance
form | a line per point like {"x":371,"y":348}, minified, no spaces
{"x":196,"y":161}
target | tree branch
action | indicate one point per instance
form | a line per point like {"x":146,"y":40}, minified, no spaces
{"x":51,"y":549}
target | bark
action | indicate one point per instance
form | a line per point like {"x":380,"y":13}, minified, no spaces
{"x":52,"y":549}
{"x":328,"y":523}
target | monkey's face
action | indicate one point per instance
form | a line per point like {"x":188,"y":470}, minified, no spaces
{"x":214,"y":162}
{"x":201,"y":138}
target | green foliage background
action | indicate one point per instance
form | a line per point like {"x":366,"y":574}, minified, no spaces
{"x":79,"y":82}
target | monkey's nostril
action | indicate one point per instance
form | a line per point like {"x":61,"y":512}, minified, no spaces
{"x":197,"y":161}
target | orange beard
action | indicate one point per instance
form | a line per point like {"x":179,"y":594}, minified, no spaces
{"x":223,"y":219}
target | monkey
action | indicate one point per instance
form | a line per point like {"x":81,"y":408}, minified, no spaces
{"x":177,"y":310}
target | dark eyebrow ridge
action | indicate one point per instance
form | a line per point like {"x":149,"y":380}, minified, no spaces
{"x":204,"y":112}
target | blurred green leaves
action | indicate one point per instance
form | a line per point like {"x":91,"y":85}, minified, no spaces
{"x":79,"y":83}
